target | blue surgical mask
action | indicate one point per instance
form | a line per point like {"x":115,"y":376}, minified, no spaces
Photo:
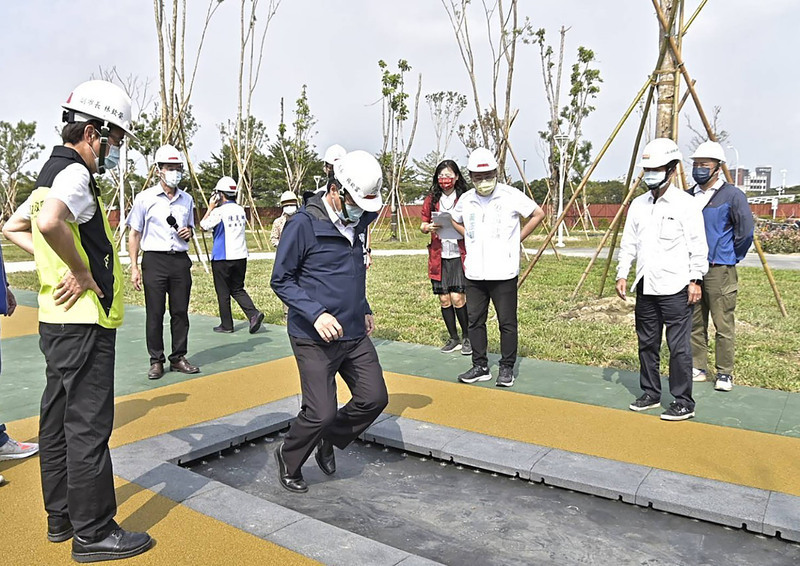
{"x":654,"y":179}
{"x":353,"y":213}
{"x":112,"y":159}
{"x":702,"y":175}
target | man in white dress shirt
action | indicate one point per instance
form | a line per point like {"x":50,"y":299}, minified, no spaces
{"x":664,"y":234}
{"x":162,"y":222}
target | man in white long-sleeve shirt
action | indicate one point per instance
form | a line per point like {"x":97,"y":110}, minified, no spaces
{"x":665,"y":235}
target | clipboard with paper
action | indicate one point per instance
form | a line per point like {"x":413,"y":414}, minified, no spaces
{"x":445,"y":223}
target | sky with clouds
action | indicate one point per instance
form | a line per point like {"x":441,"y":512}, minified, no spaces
{"x":743,"y":55}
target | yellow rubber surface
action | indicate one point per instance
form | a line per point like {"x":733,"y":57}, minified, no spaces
{"x":24,"y":323}
{"x":743,"y":457}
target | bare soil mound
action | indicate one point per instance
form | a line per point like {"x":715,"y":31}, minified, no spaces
{"x":611,"y":310}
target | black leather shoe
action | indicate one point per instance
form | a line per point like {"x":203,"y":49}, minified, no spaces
{"x":59,"y":529}
{"x":118,"y":544}
{"x":295,"y":484}
{"x":325,"y":457}
{"x":156,"y":371}
{"x":182,"y":365}
{"x":221,"y":329}
{"x":255,"y":322}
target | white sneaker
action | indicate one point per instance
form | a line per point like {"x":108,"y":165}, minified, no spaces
{"x":698,"y":374}
{"x":13,"y":450}
{"x":724,"y":382}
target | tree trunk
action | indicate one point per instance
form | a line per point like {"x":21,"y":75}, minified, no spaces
{"x":665,"y":105}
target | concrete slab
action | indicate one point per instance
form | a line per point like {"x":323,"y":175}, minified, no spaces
{"x":243,"y":511}
{"x":169,"y":480}
{"x":417,"y":561}
{"x":262,"y":420}
{"x":700,"y":498}
{"x":412,"y":435}
{"x":495,"y":454}
{"x":590,"y":474}
{"x":782,"y":517}
{"x":334,"y":546}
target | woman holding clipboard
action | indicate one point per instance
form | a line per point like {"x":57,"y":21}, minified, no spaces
{"x":446,"y":256}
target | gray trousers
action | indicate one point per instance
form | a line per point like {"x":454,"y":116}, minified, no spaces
{"x":357,"y":362}
{"x":720,"y":287}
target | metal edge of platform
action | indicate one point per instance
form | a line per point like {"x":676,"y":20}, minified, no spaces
{"x":154,"y":464}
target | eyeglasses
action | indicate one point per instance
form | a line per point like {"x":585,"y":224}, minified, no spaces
{"x":116,"y":142}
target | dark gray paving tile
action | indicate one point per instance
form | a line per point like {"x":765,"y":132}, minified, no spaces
{"x":590,"y":474}
{"x":700,"y":498}
{"x":412,"y":435}
{"x":334,"y":546}
{"x":169,"y":480}
{"x":783,"y":516}
{"x":500,"y":455}
{"x":243,"y":511}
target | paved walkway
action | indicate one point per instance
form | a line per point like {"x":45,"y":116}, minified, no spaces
{"x":749,"y":437}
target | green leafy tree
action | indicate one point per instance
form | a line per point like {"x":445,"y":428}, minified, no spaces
{"x":605,"y":192}
{"x":17,"y":149}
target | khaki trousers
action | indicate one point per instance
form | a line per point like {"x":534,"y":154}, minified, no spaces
{"x":720,"y":287}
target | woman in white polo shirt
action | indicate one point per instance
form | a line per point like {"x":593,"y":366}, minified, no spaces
{"x":489,"y":218}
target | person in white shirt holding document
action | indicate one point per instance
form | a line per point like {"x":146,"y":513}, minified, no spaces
{"x":665,"y":235}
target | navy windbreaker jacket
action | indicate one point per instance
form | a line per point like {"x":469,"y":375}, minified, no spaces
{"x":317,"y":270}
{"x":729,"y":226}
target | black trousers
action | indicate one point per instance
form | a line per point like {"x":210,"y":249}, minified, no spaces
{"x":167,"y":274}
{"x":503,"y":295}
{"x":653,"y":313}
{"x":357,"y":363}
{"x":77,"y":415}
{"x":229,"y":277}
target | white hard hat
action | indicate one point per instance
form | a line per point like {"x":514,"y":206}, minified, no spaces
{"x":168,"y":154}
{"x":480,"y":160}
{"x":99,"y":100}
{"x":333,"y":153}
{"x":288,"y":197}
{"x":361,"y":176}
{"x":226,"y":185}
{"x":660,"y":152}
{"x":709,"y":150}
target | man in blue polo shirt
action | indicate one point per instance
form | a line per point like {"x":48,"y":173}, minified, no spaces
{"x":320,"y":272}
{"x":729,"y":233}
{"x":229,"y":255}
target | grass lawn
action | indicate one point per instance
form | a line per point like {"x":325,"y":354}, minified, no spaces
{"x":768,"y":345}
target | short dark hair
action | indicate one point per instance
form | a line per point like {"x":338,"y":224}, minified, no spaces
{"x":73,"y":131}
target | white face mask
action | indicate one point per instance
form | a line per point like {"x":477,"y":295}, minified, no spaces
{"x":290,"y":209}
{"x":654,"y":179}
{"x":172,"y":178}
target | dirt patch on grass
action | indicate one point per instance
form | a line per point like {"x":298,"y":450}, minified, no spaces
{"x":611,"y":310}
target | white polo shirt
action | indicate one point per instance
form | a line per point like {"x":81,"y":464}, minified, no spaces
{"x":667,"y":239}
{"x":491,"y":231}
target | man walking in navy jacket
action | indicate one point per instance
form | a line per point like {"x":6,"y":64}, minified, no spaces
{"x":729,"y":232}
{"x":320,"y":273}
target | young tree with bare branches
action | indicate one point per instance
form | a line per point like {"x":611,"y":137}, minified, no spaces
{"x":17,"y":148}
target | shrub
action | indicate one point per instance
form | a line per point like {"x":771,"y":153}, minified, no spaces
{"x":780,"y":238}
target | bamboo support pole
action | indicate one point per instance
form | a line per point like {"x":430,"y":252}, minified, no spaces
{"x":712,"y":136}
{"x":193,"y":175}
{"x":585,"y":179}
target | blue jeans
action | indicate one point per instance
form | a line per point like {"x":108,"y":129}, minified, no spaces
{"x":3,"y":435}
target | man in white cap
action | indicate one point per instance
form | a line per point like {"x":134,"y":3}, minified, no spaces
{"x":229,"y":255}
{"x":489,"y":218}
{"x":162,"y":222}
{"x":320,"y":273}
{"x":664,"y":235}
{"x":728,"y":223}
{"x":64,"y":223}
{"x":288,"y":205}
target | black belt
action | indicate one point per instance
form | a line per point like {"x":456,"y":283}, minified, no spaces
{"x":170,"y":252}
{"x":719,"y":265}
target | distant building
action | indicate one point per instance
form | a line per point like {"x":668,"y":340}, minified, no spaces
{"x":739,"y":175}
{"x":758,"y":182}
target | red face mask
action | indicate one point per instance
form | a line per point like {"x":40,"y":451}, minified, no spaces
{"x":446,"y":182}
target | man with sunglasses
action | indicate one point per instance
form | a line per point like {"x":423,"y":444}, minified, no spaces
{"x":162,"y":222}
{"x":320,"y":272}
